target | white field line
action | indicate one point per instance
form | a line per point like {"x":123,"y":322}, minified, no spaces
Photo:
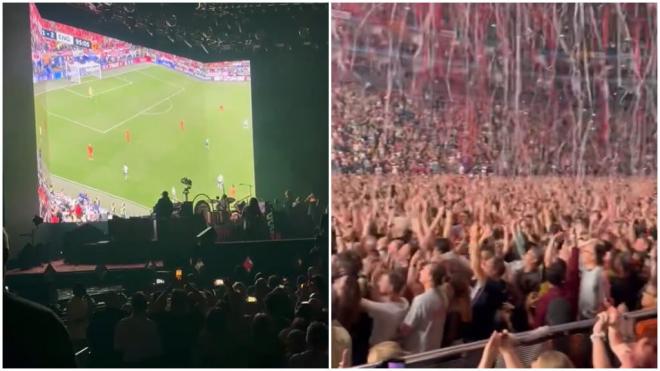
{"x":137,"y":69}
{"x":159,"y":79}
{"x":122,"y":79}
{"x":100,"y":191}
{"x":144,"y":110}
{"x":141,"y":112}
{"x":75,"y":122}
{"x":102,"y":91}
{"x":161,"y":112}
{"x":75,"y":92}
{"x":115,"y":88}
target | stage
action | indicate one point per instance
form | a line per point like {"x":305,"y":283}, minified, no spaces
{"x":283,"y":257}
{"x":60,"y":266}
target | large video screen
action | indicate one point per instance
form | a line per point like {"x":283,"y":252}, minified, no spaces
{"x":117,"y":124}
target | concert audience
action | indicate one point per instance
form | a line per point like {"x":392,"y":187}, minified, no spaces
{"x":415,"y":136}
{"x":488,"y":256}
{"x":248,"y":320}
{"x":137,"y":337}
{"x":101,"y":331}
{"x":78,"y":313}
{"x":33,"y":335}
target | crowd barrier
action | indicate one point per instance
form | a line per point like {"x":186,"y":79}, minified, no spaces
{"x":468,"y":355}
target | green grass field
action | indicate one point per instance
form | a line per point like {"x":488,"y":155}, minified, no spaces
{"x":149,"y":103}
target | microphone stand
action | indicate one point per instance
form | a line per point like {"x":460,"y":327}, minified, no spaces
{"x":248,"y":185}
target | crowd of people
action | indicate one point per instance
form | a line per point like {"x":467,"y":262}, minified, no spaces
{"x":50,"y":56}
{"x":424,"y":262}
{"x":57,"y":207}
{"x":414,"y":136}
{"x":244,"y":319}
{"x":451,"y":88}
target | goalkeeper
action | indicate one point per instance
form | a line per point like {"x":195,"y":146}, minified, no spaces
{"x":90,"y":91}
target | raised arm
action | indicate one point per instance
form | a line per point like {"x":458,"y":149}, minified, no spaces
{"x":600,"y":357}
{"x":550,"y":252}
{"x":508,"y":352}
{"x":475,"y":256}
{"x":366,"y":224}
{"x":619,"y":347}
{"x":491,"y":350}
{"x":446,"y":233}
{"x":547,"y":218}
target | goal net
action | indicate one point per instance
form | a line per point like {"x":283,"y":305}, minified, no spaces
{"x":76,"y":72}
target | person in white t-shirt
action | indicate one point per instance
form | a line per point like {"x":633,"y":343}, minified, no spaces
{"x":422,"y":328}
{"x":594,"y":284}
{"x":388,"y":313}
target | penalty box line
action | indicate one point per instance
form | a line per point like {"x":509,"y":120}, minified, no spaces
{"x":141,"y":112}
{"x":109,"y":74}
{"x":144,"y":110}
{"x":126,"y":83}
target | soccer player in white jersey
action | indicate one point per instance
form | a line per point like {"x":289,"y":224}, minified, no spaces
{"x":206,"y":143}
{"x":174,"y":194}
{"x":125,"y":172}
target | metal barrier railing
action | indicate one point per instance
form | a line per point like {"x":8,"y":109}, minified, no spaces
{"x":523,"y":338}
{"x":82,"y":357}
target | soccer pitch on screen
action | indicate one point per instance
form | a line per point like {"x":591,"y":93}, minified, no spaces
{"x":159,"y":124}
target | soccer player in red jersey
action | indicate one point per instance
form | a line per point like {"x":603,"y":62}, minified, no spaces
{"x":222,"y":108}
{"x":127,"y":136}
{"x":182,"y":125}
{"x":90,"y":152}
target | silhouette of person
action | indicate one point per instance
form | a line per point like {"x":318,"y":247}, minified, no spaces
{"x":164,"y":207}
{"x":33,"y":336}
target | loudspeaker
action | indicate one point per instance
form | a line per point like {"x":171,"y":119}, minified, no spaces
{"x":130,"y":230}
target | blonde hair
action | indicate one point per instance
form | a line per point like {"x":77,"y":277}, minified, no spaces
{"x":552,"y":359}
{"x":384,"y":351}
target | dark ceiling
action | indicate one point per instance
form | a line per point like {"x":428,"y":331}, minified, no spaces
{"x":204,"y":32}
